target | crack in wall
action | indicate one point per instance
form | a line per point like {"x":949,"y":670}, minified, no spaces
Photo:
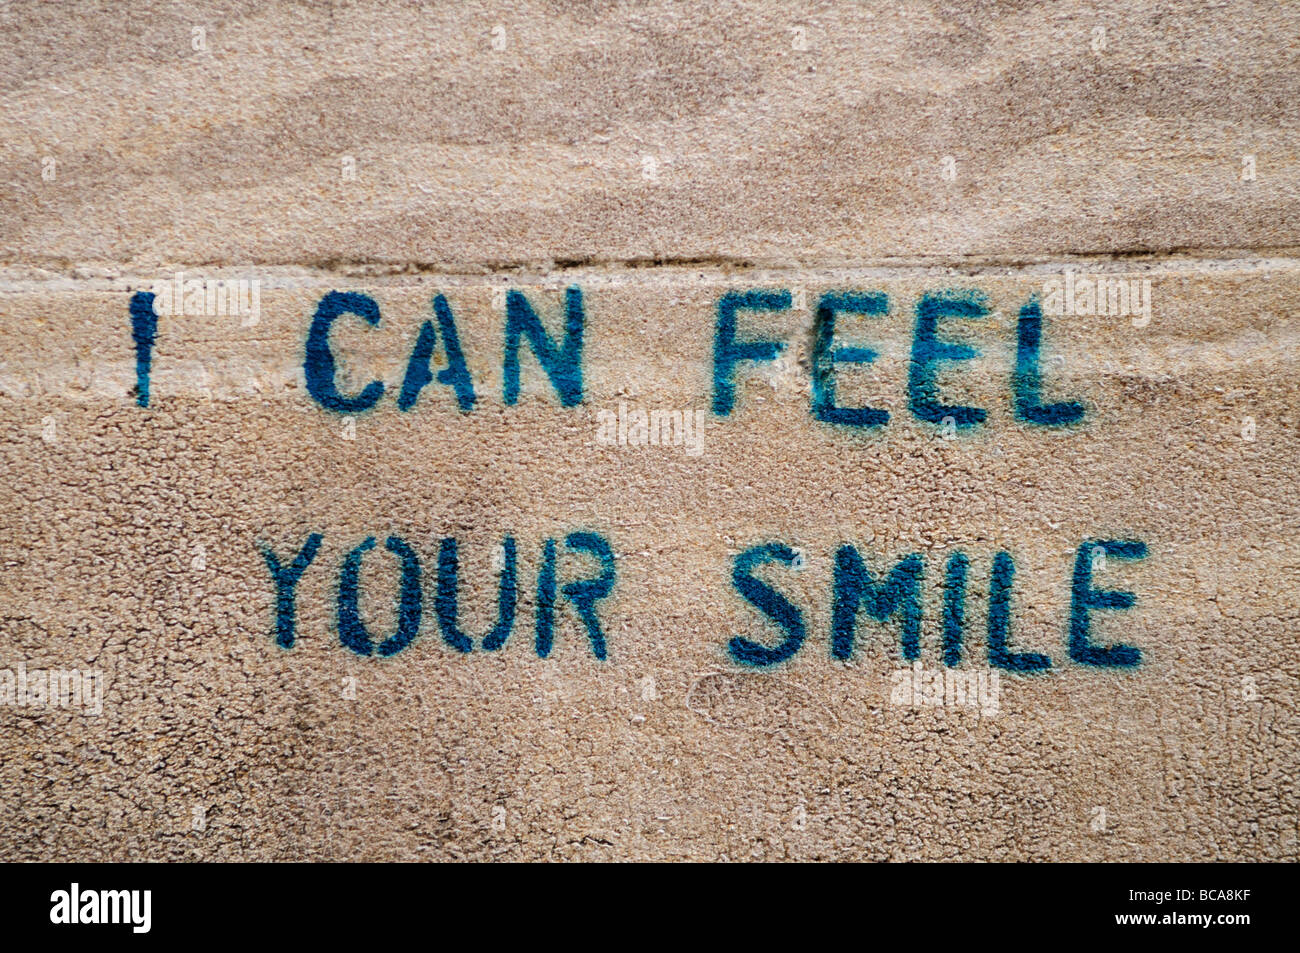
{"x":110,"y":276}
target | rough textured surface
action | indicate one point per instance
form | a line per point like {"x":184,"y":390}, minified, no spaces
{"x":130,"y":537}
{"x":466,"y":155}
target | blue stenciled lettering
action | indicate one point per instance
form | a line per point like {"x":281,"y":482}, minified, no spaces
{"x":318,"y":361}
{"x":728,"y":352}
{"x":771,"y":603}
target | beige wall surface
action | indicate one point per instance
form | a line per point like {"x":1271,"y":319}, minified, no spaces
{"x":655,"y":160}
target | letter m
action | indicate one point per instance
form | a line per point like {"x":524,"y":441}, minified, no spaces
{"x":855,"y":587}
{"x":120,"y":906}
